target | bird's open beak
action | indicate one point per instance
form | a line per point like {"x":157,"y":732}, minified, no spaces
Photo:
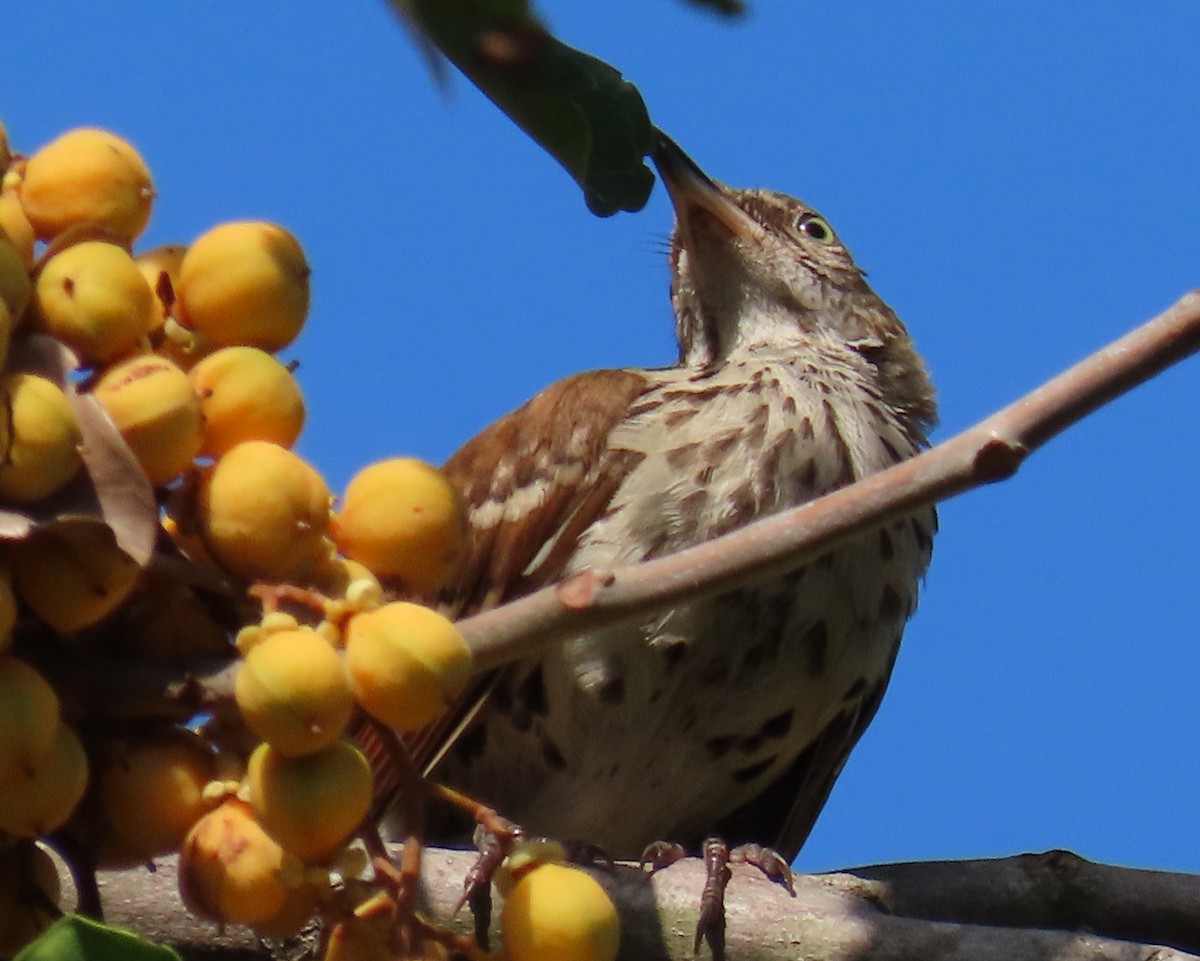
{"x":693,"y":192}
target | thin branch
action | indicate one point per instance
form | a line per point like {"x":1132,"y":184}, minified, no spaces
{"x":990,"y":451}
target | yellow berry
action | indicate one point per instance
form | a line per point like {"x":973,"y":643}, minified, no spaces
{"x":72,"y":573}
{"x":403,"y":519}
{"x":557,"y":911}
{"x":300,"y":905}
{"x":152,"y":791}
{"x":152,"y":403}
{"x":360,"y":939}
{"x":245,"y":283}
{"x":264,"y":513}
{"x":246,"y":394}
{"x":180,"y":345}
{"x":407,"y":663}
{"x":351,"y":582}
{"x":526,"y":854}
{"x":29,"y":716}
{"x":160,"y":268}
{"x":87,"y":176}
{"x":293,"y":692}
{"x":229,"y":867}
{"x":39,"y":437}
{"x":310,"y":804}
{"x":93,"y":298}
{"x":16,"y":226}
{"x":39,"y":797}
{"x":15,"y":285}
{"x":28,"y":885}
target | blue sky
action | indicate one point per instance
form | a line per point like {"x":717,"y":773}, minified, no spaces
{"x":1020,"y":180}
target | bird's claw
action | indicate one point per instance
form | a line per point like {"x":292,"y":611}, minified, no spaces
{"x":661,"y":854}
{"x":477,"y":885}
{"x":770,"y":862}
{"x":710,"y":926}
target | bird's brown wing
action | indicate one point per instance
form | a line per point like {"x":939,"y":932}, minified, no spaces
{"x":532,"y":481}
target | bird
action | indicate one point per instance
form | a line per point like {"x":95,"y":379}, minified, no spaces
{"x":730,"y":715}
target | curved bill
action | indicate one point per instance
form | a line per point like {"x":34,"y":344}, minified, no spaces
{"x":692,"y":191}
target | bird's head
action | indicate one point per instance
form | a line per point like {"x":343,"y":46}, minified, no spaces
{"x":759,"y":271}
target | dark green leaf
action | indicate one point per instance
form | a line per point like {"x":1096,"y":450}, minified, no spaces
{"x":75,"y":938}
{"x":729,"y":8}
{"x":579,"y":108}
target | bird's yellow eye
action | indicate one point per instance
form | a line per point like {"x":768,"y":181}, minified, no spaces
{"x":816,"y":228}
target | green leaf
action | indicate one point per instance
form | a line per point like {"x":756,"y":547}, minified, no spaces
{"x":589,"y":118}
{"x":76,"y":938}
{"x":728,"y":8}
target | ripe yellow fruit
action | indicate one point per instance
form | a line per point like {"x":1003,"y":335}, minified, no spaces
{"x":246,"y":394}
{"x":160,"y":266}
{"x":39,"y":797}
{"x":23,"y":912}
{"x":245,"y":283}
{"x":362,"y":939}
{"x":87,"y":176}
{"x":72,"y":574}
{"x":407,"y":663}
{"x":403,"y":519}
{"x":301,"y":904}
{"x":349,"y":581}
{"x":29,"y":716}
{"x":15,"y":285}
{"x":16,"y":227}
{"x":293,"y":692}
{"x":93,"y":298}
{"x":152,"y":792}
{"x":264,"y":513}
{"x":557,"y":911}
{"x":526,"y":854}
{"x":152,"y":403}
{"x":310,"y":804}
{"x":229,"y":867}
{"x":39,"y":437}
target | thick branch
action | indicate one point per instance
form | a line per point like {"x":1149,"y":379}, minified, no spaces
{"x":992,"y":450}
{"x":1038,"y":906}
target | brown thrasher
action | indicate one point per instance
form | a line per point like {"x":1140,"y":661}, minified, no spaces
{"x":732,"y":715}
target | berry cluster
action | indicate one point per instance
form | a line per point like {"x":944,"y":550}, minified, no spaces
{"x":153,"y":513}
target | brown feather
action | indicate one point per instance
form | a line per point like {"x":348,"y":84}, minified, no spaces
{"x":558,"y":441}
{"x":551,"y":451}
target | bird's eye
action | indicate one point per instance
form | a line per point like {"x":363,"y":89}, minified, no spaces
{"x":816,"y":228}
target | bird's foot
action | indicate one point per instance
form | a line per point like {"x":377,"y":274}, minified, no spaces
{"x":662,"y":854}
{"x":493,"y":847}
{"x":770,"y":862}
{"x":710,"y":926}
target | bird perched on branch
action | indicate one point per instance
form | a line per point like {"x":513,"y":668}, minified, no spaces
{"x":735,"y":714}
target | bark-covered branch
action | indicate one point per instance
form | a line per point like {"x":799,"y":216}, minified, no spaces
{"x":1024,"y":908}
